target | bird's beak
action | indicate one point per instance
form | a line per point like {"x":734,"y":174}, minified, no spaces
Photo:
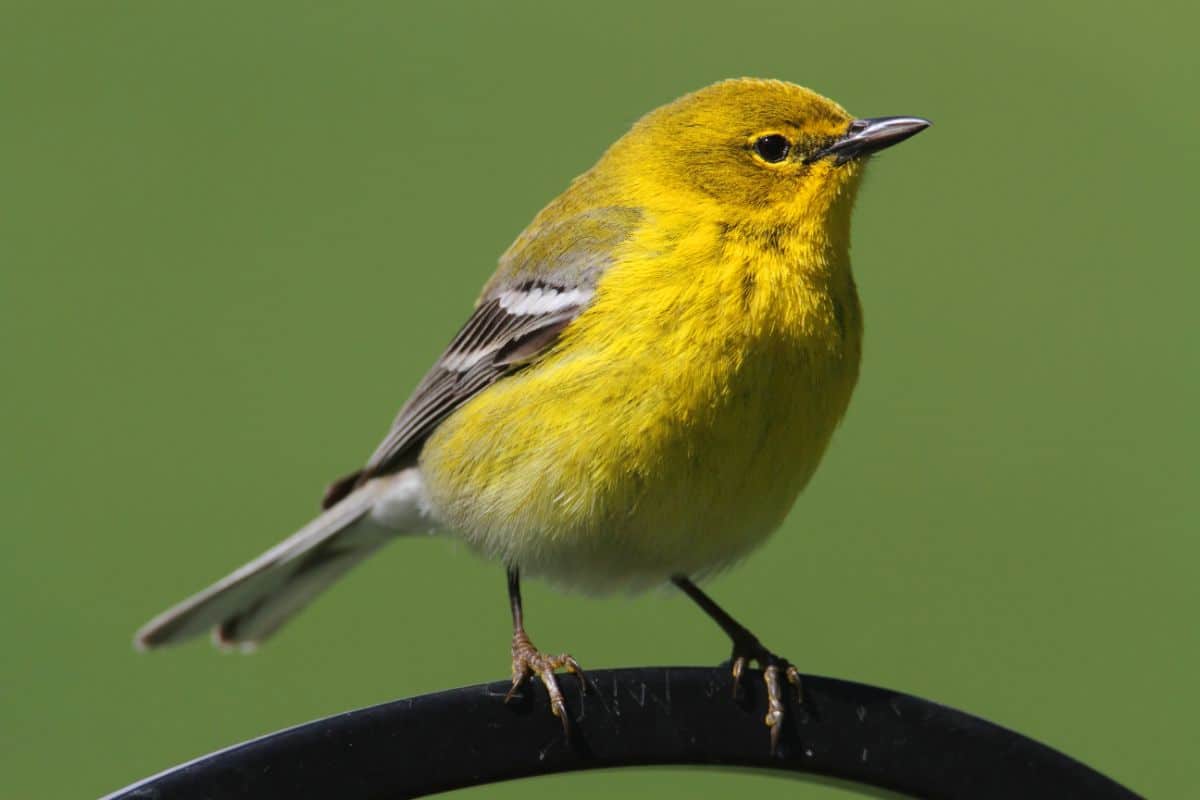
{"x":866,"y":136}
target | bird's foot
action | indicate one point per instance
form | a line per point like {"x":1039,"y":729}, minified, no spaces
{"x":528,"y":661}
{"x":747,"y":649}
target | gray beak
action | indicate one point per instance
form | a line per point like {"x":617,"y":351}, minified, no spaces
{"x":867,"y":136}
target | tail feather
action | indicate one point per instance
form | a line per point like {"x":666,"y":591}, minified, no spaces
{"x":249,"y":604}
{"x":301,"y":585}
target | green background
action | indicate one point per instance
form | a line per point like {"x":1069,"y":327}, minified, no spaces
{"x":233,"y":236}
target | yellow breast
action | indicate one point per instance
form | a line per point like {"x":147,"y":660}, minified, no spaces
{"x":672,"y":426}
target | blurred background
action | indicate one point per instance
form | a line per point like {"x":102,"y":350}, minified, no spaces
{"x":235,"y":235}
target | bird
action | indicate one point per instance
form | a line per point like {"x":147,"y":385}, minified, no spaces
{"x":642,"y":390}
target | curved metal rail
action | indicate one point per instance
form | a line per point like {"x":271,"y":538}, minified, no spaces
{"x":634,"y":717}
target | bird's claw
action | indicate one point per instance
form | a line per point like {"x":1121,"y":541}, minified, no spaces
{"x":771,"y":665}
{"x":528,"y":661}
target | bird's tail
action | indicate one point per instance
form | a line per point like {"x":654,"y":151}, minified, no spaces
{"x":251,"y":603}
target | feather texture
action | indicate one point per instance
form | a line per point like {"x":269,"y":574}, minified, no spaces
{"x":543,"y":283}
{"x":249,"y":604}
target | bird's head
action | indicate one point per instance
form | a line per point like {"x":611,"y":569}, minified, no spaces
{"x":760,"y":149}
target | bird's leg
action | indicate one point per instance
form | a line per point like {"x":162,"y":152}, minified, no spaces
{"x":527,"y":660}
{"x":747,"y":648}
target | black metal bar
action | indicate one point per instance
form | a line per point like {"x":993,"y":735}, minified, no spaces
{"x":632,"y":717}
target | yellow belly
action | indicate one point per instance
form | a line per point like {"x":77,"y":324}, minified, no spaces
{"x":664,"y":434}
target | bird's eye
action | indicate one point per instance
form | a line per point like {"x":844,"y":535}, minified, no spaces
{"x":773,"y":148}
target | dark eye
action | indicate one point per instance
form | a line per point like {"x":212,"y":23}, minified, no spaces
{"x":773,"y":148}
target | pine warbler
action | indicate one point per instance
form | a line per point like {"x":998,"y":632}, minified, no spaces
{"x":644,"y":387}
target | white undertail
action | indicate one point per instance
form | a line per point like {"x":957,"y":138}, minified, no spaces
{"x":250,"y":604}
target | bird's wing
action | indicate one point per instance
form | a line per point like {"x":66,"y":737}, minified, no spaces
{"x":543,"y":282}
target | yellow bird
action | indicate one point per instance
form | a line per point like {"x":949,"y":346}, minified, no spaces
{"x":644,"y":387}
